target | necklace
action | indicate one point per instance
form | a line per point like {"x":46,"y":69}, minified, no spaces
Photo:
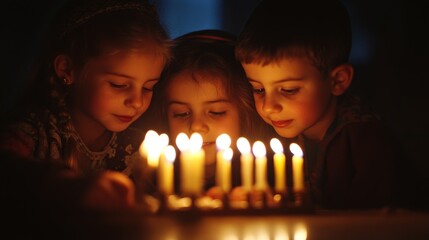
{"x":96,"y":157}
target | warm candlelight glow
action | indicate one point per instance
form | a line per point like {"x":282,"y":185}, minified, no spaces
{"x":182,"y":141}
{"x":276,"y":145}
{"x":196,"y":141}
{"x":259,"y":149}
{"x":166,"y":170}
{"x":164,"y":139}
{"x":300,"y":232}
{"x":261,"y":165}
{"x":192,"y":159}
{"x":223,"y":142}
{"x":226,"y":169}
{"x":279,"y":165}
{"x":297,"y":167}
{"x":227,"y":154}
{"x":246,"y":160}
{"x":170,"y":153}
{"x":151,"y":148}
{"x":296,"y":149}
{"x":243,"y":145}
{"x":149,"y":138}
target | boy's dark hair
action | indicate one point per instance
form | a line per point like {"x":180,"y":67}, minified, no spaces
{"x":278,"y":29}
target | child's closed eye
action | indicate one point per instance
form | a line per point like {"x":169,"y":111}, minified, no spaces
{"x":118,"y":85}
{"x":290,"y":91}
{"x":145,"y":89}
{"x":217,"y":113}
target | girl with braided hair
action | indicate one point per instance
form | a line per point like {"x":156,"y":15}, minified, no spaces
{"x":101,"y":61}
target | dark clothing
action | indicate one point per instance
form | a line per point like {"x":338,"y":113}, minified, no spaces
{"x":353,"y":165}
{"x":47,"y":136}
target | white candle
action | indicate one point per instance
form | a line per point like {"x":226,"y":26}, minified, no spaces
{"x":297,"y":167}
{"x":223,"y":142}
{"x":246,"y":161}
{"x":226,"y":170}
{"x":166,"y":171}
{"x":260,"y":165}
{"x":279,"y":165}
{"x":192,"y":158}
{"x":148,"y":142}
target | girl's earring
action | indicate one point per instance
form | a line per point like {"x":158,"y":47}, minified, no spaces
{"x":67,"y":81}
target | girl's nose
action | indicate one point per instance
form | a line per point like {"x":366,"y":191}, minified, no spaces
{"x":199,"y":125}
{"x":271,"y":104}
{"x":135,"y":100}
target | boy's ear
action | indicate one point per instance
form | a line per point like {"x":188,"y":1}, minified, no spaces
{"x":341,"y":78}
{"x":63,"y":68}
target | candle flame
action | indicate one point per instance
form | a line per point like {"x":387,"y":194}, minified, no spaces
{"x":148,"y":141}
{"x":296,"y":149}
{"x":196,"y":141}
{"x":223,"y":141}
{"x":227,"y":154}
{"x":259,"y":149}
{"x":276,"y":145}
{"x":170,"y":153}
{"x":182,"y":141}
{"x":163,"y":140}
{"x":243,"y":145}
{"x":151,"y":134}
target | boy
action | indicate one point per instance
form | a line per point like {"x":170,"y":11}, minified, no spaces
{"x":295,"y":55}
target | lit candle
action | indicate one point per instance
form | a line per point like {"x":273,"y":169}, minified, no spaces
{"x":166,"y":171}
{"x":192,"y":158}
{"x":151,"y":148}
{"x":150,"y":136}
{"x":279,"y":165}
{"x":246,"y":161}
{"x":226,"y":170}
{"x":260,"y":165}
{"x":223,"y":142}
{"x":297,"y":167}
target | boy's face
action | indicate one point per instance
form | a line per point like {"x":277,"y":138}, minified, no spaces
{"x":292,"y":96}
{"x":201,"y":107}
{"x":112,"y":91}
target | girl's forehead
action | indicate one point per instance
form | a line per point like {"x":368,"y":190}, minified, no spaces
{"x":190,"y":85}
{"x":200,"y":78}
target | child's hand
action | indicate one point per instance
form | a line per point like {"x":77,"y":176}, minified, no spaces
{"x":110,"y":191}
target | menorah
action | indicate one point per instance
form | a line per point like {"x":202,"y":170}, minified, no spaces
{"x":254,"y":195}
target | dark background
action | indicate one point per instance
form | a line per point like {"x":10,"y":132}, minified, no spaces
{"x":390,"y":54}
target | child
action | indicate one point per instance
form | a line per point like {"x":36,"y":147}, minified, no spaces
{"x":96,"y":78}
{"x":204,"y":90}
{"x":295,"y":55}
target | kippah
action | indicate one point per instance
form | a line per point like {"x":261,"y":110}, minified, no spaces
{"x":80,"y":12}
{"x":209,"y":34}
